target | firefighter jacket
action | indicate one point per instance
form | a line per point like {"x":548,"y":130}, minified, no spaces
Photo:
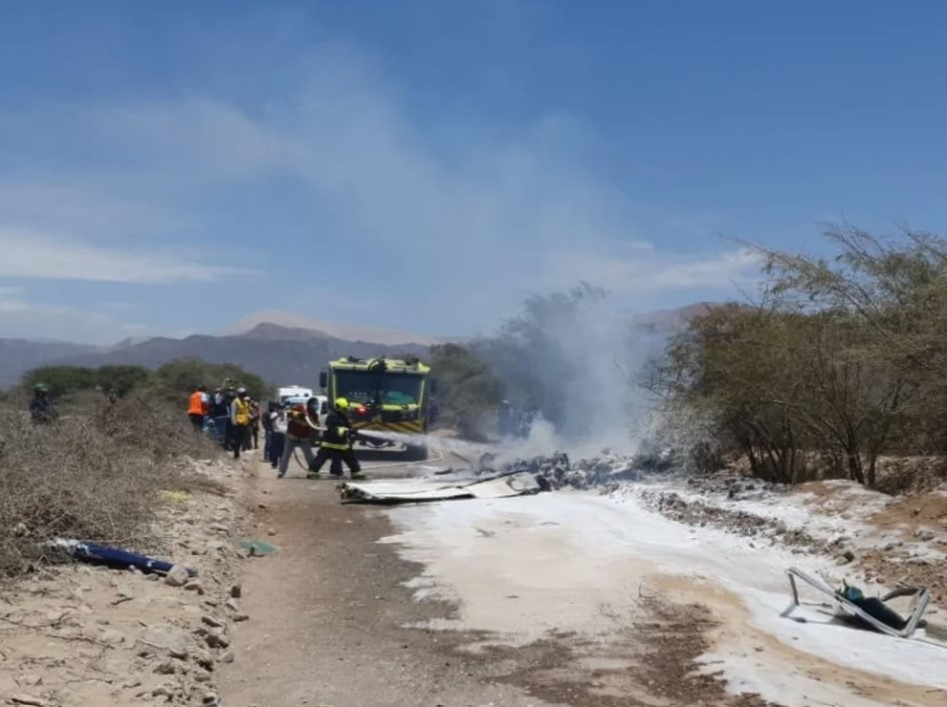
{"x":339,"y":434}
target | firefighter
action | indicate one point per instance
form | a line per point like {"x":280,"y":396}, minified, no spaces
{"x":337,"y":442}
{"x":41,"y":407}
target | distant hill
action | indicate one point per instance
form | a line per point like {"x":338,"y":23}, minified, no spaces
{"x":671,"y":320}
{"x":277,"y":321}
{"x":278,"y":353}
{"x":18,"y":356}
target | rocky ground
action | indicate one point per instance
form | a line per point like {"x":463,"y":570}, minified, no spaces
{"x":332,"y":617}
{"x":81,"y":635}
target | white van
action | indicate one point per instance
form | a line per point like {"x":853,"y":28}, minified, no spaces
{"x":292,"y":391}
{"x":293,"y":394}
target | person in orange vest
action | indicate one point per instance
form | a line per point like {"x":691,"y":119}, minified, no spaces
{"x":197,"y":407}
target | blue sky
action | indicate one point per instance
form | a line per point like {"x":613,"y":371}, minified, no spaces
{"x":424,"y":164}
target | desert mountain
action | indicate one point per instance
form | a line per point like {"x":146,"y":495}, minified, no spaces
{"x":20,"y":355}
{"x":283,"y":321}
{"x":292,"y":350}
{"x":278,"y":354}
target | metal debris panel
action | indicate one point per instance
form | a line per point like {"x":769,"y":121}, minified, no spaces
{"x":412,"y":491}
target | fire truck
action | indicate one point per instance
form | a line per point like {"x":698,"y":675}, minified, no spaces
{"x":385,"y":395}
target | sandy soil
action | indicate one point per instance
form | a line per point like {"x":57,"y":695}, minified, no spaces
{"x":76,"y":635}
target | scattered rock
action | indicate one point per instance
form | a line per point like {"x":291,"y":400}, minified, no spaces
{"x":164,"y":639}
{"x":204,"y":660}
{"x":125,"y":593}
{"x":112,"y":637}
{"x":271,"y":531}
{"x":846,"y":557}
{"x":220,"y":528}
{"x":226,"y":657}
{"x":166,"y":667}
{"x":194,"y":585}
{"x":218,"y":638}
{"x":177,"y":576}
{"x":30,"y":680}
{"x":212,"y":621}
{"x":241,"y":617}
{"x":232,"y":605}
{"x":236,"y":591}
{"x":924,"y":535}
{"x":28,"y":700}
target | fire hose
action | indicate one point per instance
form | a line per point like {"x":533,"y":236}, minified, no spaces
{"x":356,"y":435}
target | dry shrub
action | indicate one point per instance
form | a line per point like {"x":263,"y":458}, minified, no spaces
{"x":90,"y":477}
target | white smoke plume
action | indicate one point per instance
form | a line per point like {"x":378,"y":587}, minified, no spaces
{"x":578,"y":358}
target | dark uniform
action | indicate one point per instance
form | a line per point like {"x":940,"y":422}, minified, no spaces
{"x":41,"y":407}
{"x":336,"y":444}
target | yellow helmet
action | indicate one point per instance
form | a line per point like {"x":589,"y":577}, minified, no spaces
{"x":341,"y":404}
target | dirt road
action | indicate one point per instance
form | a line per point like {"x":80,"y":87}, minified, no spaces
{"x":555,"y":599}
{"x":330,"y":615}
{"x":332,"y":623}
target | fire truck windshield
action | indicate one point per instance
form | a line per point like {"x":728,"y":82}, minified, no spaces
{"x":385,"y":389}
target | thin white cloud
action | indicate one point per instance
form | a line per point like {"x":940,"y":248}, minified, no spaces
{"x":462,"y":228}
{"x":100,"y":208}
{"x":652,"y":272}
{"x":28,"y":254}
{"x":21,"y":318}
{"x":194,"y":139}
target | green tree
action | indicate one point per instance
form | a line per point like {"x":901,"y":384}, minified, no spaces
{"x":62,"y":380}
{"x":842,"y":363}
{"x":121,"y":380}
{"x":182,"y":376}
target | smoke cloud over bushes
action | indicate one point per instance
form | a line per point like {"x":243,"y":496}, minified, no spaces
{"x":576,"y":358}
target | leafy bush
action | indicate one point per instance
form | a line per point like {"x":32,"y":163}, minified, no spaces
{"x":182,"y":376}
{"x":840,"y":362}
{"x":171,"y":382}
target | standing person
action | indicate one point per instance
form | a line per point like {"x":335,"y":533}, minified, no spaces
{"x":337,"y":442}
{"x":221,"y":413}
{"x":255,"y":423}
{"x":253,"y":429}
{"x":278,"y":438}
{"x":312,"y":409}
{"x":197,"y":407}
{"x":299,"y":432}
{"x":267,"y":421}
{"x":41,"y":407}
{"x":239,"y":421}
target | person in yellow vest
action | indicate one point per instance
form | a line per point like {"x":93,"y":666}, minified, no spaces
{"x":197,"y":407}
{"x":239,"y":421}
